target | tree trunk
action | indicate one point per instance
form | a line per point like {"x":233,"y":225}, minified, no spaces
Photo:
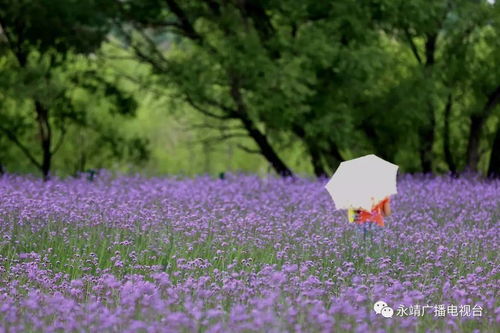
{"x":45,"y":138}
{"x":427,"y":141}
{"x":446,"y":137}
{"x":427,"y":132}
{"x":260,"y":139}
{"x":476,"y":126}
{"x":333,"y":155}
{"x":81,"y":163}
{"x":265,"y":148}
{"x":494,"y":167}
{"x":426,"y":152}
{"x":314,"y":152}
{"x":318,"y":168}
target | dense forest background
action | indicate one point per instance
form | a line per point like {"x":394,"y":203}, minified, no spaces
{"x":211,"y":86}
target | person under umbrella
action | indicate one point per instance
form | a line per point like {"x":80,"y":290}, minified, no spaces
{"x":376,"y":215}
{"x":368,"y":219}
{"x":363,"y":186}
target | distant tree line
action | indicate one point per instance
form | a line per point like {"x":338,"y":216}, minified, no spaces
{"x":412,"y":81}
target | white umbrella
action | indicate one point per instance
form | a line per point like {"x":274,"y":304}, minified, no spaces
{"x":362,"y":182}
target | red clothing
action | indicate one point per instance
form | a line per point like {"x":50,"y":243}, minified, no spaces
{"x":375,"y":215}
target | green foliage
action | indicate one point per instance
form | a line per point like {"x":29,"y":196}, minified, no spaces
{"x":305,"y":84}
{"x":60,"y":25}
{"x":53,"y":95}
{"x":343,"y":78}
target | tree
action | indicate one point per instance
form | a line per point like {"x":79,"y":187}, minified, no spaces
{"x":39,"y":47}
{"x":267,"y":68}
{"x":214,"y":76}
{"x":494,"y":166}
{"x":476,"y":73}
{"x":454,"y":69}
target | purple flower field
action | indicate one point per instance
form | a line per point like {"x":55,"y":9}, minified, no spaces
{"x":244,"y":254}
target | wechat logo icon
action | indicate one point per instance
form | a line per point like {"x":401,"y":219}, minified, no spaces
{"x":382,"y":308}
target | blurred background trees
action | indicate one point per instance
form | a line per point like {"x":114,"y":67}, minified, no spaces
{"x":51,"y":85}
{"x":207,"y":86}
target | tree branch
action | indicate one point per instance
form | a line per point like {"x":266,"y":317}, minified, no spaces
{"x":217,"y":139}
{"x":412,"y":45}
{"x":185,"y":24}
{"x":249,"y":150}
{"x":60,"y":141}
{"x":216,"y":127}
{"x":12,"y":137}
{"x":206,"y":112}
{"x":260,"y":138}
{"x":159,"y":63}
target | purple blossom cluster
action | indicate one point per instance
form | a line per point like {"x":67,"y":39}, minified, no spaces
{"x":242,"y":254}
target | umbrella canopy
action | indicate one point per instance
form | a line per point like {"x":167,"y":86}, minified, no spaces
{"x":362,"y":182}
